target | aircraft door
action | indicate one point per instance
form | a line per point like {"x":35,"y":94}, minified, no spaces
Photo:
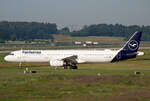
{"x":20,"y":57}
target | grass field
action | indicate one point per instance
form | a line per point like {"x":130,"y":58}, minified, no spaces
{"x":91,"y":82}
{"x":101,"y":39}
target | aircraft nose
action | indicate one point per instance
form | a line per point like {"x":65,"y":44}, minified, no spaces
{"x":6,"y":58}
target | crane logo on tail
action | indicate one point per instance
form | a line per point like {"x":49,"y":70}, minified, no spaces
{"x":133,"y":45}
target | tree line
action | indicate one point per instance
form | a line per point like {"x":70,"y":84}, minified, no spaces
{"x":117,"y":30}
{"x":26,"y":30}
{"x":36,"y":30}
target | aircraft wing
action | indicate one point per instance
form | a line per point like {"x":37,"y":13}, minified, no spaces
{"x":70,"y":59}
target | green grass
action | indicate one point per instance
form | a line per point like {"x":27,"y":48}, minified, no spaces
{"x":101,"y":39}
{"x":117,"y":82}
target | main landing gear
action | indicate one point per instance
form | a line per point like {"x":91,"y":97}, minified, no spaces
{"x":71,"y":66}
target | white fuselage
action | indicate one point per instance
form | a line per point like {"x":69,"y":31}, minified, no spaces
{"x":83,"y":56}
{"x":72,"y":57}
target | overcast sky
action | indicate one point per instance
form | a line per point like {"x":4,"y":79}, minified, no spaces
{"x":77,"y":12}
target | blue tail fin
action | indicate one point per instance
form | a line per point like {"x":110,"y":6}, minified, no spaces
{"x":130,"y":48}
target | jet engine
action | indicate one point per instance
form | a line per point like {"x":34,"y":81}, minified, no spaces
{"x":56,"y":63}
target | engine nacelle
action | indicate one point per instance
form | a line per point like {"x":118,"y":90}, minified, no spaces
{"x":56,"y":63}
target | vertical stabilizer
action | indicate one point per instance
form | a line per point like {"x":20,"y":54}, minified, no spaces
{"x":130,"y":48}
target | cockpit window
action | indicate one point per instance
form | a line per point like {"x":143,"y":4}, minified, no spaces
{"x":11,"y":54}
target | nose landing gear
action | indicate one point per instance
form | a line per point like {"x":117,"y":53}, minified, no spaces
{"x":20,"y":65}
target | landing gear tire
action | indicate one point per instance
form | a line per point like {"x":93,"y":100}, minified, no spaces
{"x":73,"y":67}
{"x":65,"y":67}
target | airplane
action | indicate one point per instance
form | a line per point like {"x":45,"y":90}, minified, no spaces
{"x":70,"y":58}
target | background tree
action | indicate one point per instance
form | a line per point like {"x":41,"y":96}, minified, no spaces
{"x":36,"y":30}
